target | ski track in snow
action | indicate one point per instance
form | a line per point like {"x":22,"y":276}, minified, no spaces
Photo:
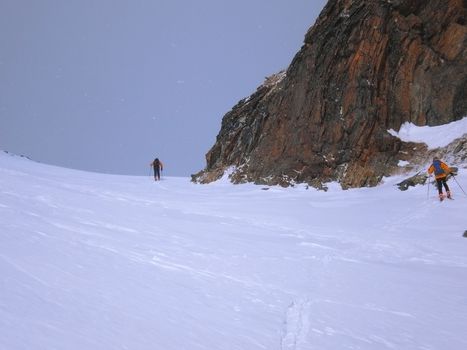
{"x":91,"y":261}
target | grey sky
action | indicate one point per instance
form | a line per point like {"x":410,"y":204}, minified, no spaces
{"x":107,"y":85}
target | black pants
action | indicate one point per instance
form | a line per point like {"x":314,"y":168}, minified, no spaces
{"x":442,"y":182}
{"x":157,"y":173}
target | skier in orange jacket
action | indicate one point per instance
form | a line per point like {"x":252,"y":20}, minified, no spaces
{"x":441,"y":171}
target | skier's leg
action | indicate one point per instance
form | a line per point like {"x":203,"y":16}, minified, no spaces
{"x":445,"y":185}
{"x":448,"y":192}
{"x":439,"y":183}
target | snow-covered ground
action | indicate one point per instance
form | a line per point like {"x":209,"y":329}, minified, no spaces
{"x":92,"y":261}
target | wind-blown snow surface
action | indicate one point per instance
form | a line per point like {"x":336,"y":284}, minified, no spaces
{"x":90,"y":261}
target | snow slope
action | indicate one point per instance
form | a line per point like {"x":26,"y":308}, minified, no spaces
{"x":91,"y":261}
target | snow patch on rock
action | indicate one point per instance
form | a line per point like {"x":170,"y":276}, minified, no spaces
{"x":433,"y":136}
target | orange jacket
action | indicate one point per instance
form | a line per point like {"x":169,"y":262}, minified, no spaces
{"x":446,"y":169}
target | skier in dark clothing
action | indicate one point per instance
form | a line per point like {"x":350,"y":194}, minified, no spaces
{"x":158,"y":167}
{"x":441,"y":171}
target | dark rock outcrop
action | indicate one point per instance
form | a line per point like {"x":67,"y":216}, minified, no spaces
{"x":365,"y":67}
{"x":417,"y":179}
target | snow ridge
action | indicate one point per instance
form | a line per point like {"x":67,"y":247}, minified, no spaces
{"x":296,"y":326}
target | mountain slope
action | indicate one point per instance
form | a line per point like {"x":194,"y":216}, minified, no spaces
{"x":365,"y":67}
{"x":91,"y":261}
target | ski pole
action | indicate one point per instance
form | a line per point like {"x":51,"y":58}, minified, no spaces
{"x":458,"y":184}
{"x":428,"y":190}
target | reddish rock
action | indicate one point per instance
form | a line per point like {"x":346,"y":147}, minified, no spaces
{"x":365,"y":67}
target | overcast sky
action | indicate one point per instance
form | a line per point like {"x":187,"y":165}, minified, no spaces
{"x":107,"y":85}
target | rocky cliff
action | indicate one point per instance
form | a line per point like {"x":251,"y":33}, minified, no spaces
{"x":365,"y":67}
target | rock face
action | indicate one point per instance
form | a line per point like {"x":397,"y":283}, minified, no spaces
{"x":365,"y":67}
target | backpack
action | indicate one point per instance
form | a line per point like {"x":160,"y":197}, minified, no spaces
{"x":438,"y":169}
